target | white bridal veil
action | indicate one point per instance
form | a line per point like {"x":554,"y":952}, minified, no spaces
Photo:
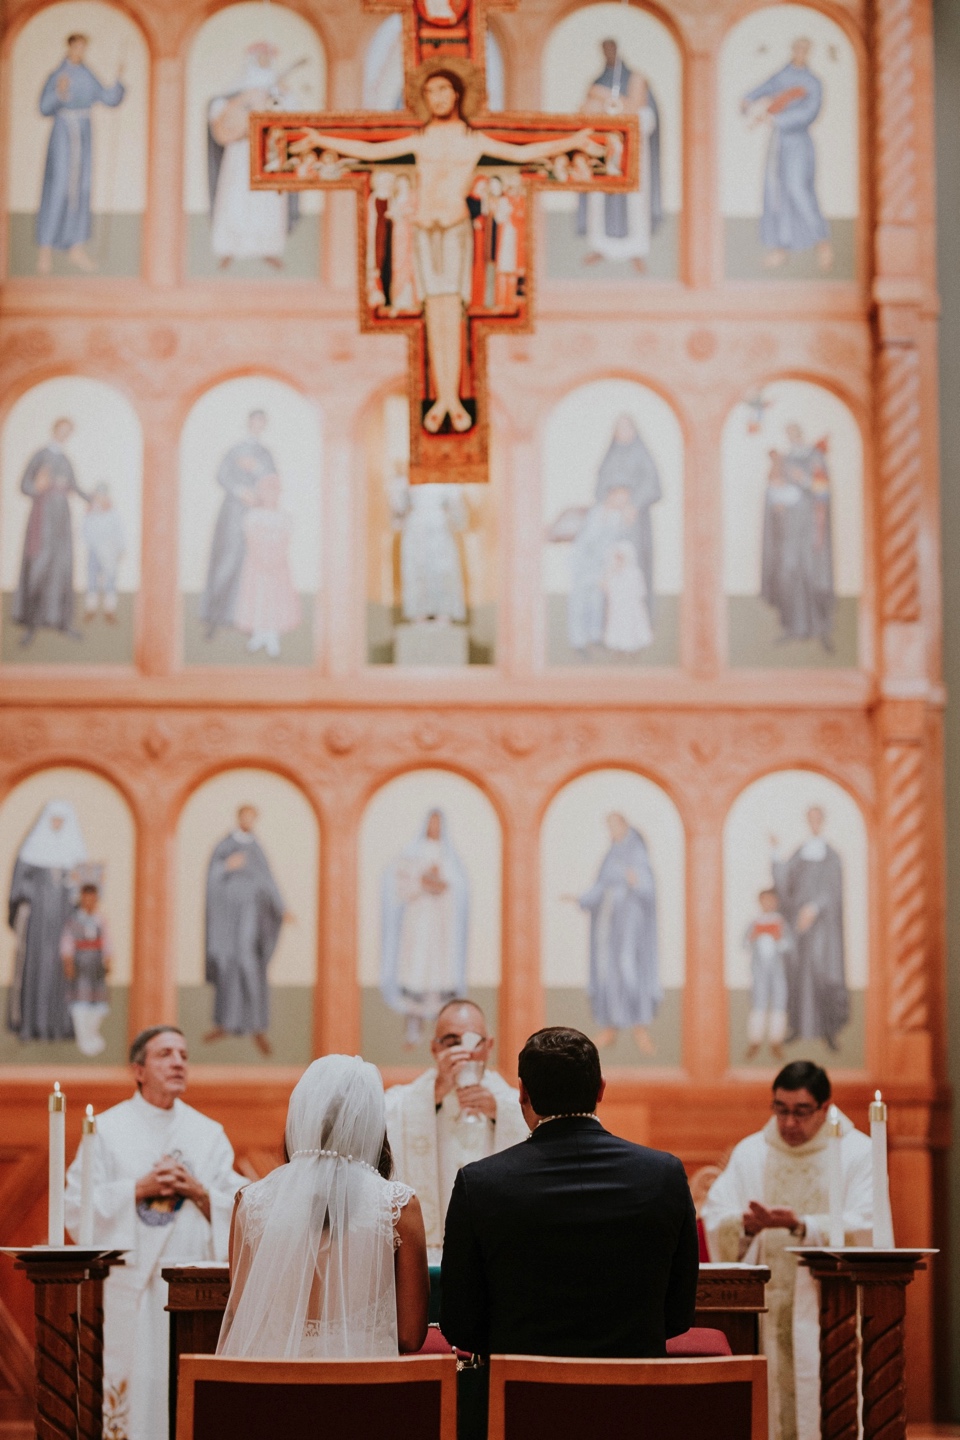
{"x":313,"y":1250}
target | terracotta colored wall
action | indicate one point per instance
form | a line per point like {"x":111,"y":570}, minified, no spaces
{"x":701,"y":730}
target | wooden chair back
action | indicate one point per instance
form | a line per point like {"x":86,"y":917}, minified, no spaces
{"x":724,"y":1398}
{"x":410,"y":1398}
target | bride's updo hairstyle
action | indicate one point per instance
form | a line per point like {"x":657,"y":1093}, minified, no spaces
{"x":337,"y":1109}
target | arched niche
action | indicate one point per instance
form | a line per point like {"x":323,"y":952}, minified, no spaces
{"x":793,"y":527}
{"x":788,"y":129}
{"x":449,"y":942}
{"x":612,"y":873}
{"x":76,"y":197}
{"x":246,"y":57}
{"x":71,"y":466}
{"x":251,"y":462}
{"x":618,"y":237}
{"x":43,"y":867}
{"x":271,"y":897}
{"x":383,"y":68}
{"x":431,"y":554}
{"x":612,"y":567}
{"x":796,"y":978}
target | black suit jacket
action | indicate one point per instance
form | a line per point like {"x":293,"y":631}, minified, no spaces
{"x":572,"y":1243}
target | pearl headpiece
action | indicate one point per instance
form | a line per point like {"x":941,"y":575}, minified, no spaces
{"x":335,"y":1155}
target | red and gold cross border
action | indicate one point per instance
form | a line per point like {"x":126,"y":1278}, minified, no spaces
{"x":283,"y":158}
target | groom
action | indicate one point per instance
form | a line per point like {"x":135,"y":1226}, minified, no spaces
{"x":573,"y":1242}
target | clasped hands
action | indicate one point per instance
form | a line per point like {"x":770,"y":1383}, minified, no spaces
{"x":759,"y":1217}
{"x":475,"y":1098}
{"x":168,"y":1178}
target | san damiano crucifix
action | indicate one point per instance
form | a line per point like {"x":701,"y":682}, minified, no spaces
{"x":445,"y":195}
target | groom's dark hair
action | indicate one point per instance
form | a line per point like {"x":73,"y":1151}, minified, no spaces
{"x":560,"y":1070}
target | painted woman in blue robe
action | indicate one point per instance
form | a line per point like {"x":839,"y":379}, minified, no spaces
{"x":64,"y":220}
{"x":624,"y":988}
{"x":791,"y":219}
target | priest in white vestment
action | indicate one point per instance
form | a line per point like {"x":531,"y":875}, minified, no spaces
{"x":774,"y":1194}
{"x":455,"y":1113}
{"x":164,"y":1187}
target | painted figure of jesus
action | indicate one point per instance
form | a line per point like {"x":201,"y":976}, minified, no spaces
{"x":446,"y":153}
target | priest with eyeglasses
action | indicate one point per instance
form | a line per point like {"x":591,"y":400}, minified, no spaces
{"x":774,"y":1195}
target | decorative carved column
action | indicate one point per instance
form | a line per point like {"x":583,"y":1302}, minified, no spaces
{"x":899,"y":291}
{"x":68,"y":1311}
{"x":838,"y":1357}
{"x":873,"y":1282}
{"x":904,"y":827}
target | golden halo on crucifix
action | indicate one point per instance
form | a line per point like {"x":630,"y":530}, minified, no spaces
{"x":474,"y":98}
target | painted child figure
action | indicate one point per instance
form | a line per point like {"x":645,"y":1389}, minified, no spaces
{"x":627,"y":623}
{"x":268,"y":606}
{"x":104,"y":538}
{"x":86,"y":952}
{"x":770,"y":943}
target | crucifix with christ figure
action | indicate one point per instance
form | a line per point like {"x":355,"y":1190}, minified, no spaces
{"x":445,"y":195}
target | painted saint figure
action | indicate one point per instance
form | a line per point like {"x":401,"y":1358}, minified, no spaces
{"x":42,"y":897}
{"x":45,"y":597}
{"x":240,"y":472}
{"x":245,"y":223}
{"x":429,"y":518}
{"x":64,"y":219}
{"x":86,"y":951}
{"x":797,"y":576}
{"x":244,"y":915}
{"x":809,"y":888}
{"x":789,"y":102}
{"x":425,"y":900}
{"x":621,"y":227}
{"x":446,"y":154}
{"x":624,"y":988}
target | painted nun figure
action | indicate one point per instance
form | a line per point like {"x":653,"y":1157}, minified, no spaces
{"x":245,"y":912}
{"x":424,"y":913}
{"x":624,"y":988}
{"x":42,"y":898}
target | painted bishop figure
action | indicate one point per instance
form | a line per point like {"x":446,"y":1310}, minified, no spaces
{"x":445,"y":197}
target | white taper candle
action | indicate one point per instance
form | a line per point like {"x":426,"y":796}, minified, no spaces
{"x":882,"y":1218}
{"x":837,"y":1236}
{"x":57,"y":1105}
{"x":87,"y":1143}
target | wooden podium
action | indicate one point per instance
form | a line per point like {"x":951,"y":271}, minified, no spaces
{"x":869,"y":1286}
{"x":68,"y":1307}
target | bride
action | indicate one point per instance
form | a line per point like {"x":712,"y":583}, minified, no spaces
{"x":327,"y":1255}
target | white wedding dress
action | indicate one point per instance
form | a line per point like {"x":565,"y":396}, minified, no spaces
{"x":312,"y":1264}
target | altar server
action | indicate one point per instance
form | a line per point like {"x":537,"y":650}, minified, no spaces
{"x":774,"y":1194}
{"x":164,"y":1186}
{"x":438,"y":1123}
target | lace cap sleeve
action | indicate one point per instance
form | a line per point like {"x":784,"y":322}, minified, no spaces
{"x":400,"y":1196}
